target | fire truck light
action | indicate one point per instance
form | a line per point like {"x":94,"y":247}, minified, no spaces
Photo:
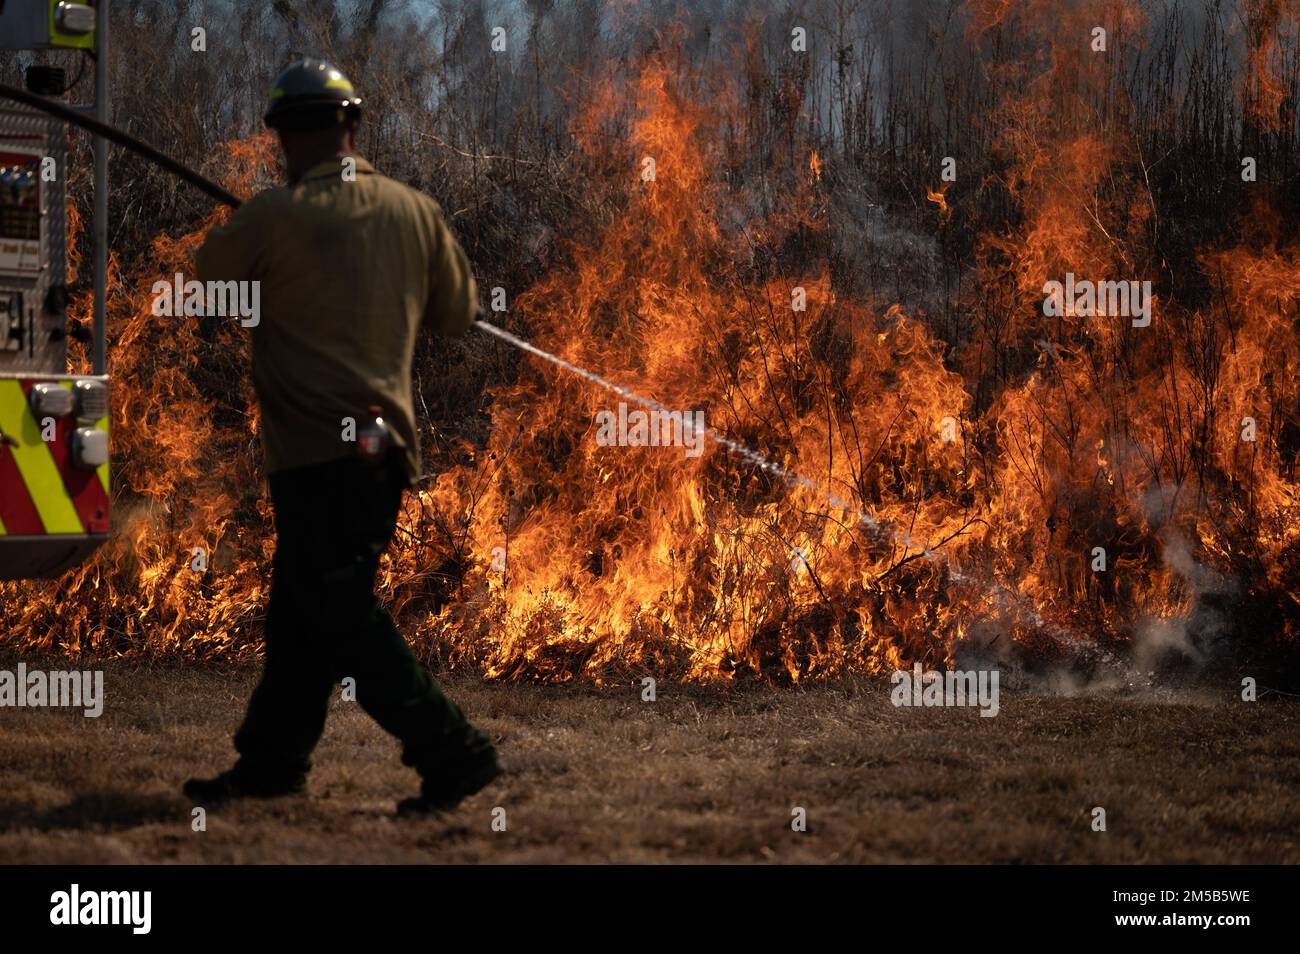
{"x":92,"y":399}
{"x":51,"y":400}
{"x":89,"y":448}
{"x":74,"y":17}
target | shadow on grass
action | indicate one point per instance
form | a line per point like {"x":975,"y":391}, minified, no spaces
{"x":111,"y":811}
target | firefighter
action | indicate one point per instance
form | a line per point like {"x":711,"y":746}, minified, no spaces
{"x":352,"y":267}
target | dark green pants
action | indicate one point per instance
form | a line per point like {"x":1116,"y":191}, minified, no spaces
{"x":333,"y":521}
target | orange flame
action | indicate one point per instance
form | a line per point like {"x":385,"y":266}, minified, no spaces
{"x":993,"y":473}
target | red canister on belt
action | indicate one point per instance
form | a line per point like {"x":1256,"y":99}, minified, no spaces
{"x":372,"y":438}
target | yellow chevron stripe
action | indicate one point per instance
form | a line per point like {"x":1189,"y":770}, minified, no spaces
{"x":3,"y":531}
{"x":36,"y":463}
{"x":102,"y":470}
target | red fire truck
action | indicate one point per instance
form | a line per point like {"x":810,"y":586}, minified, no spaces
{"x":54,"y":456}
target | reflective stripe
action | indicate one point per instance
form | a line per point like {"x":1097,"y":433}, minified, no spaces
{"x":102,"y":469}
{"x":35,"y":463}
{"x":20,"y":516}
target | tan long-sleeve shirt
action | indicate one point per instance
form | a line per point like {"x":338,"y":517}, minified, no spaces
{"x":349,"y":272}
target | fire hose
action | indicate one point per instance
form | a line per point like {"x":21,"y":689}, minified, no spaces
{"x":210,"y":188}
{"x":89,"y":123}
{"x":754,"y":458}
{"x":207,"y":186}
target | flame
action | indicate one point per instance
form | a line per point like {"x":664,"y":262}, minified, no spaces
{"x":1266,"y":23}
{"x":940,"y":199}
{"x":184,"y":477}
{"x":992,"y":467}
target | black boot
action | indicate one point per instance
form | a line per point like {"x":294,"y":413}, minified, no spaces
{"x":244,"y":782}
{"x":452,"y":781}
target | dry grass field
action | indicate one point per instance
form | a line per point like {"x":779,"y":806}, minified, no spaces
{"x":700,"y":775}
